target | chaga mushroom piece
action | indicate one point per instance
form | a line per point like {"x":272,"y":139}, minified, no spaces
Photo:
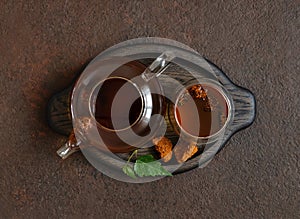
{"x":198,"y":92}
{"x":164,"y":146}
{"x":184,"y":151}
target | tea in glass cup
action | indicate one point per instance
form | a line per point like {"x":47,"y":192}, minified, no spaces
{"x":201,"y":111}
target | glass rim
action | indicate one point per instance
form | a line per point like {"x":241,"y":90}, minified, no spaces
{"x":219,"y":88}
{"x":93,"y":95}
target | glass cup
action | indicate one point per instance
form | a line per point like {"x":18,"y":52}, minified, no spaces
{"x":201,"y":112}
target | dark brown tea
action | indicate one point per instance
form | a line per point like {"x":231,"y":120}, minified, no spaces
{"x":201,"y":110}
{"x":119,"y":104}
{"x":123,"y":106}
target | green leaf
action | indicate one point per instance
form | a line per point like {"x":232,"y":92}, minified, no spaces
{"x":128,"y":171}
{"x":147,"y":166}
{"x":146,"y":158}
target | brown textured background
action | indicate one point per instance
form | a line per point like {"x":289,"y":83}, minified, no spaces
{"x":43,"y":44}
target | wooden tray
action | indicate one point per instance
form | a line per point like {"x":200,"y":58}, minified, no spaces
{"x":59,"y":117}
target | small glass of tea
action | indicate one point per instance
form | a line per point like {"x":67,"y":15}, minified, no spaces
{"x":202,"y":111}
